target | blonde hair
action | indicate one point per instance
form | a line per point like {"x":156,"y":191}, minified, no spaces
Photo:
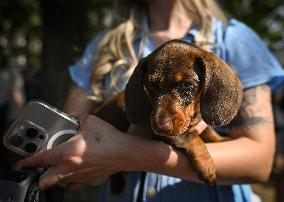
{"x":117,"y":44}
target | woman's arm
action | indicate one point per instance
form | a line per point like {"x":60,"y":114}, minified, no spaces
{"x":17,"y":96}
{"x":78,"y":103}
{"x":251,"y":152}
{"x":99,"y":150}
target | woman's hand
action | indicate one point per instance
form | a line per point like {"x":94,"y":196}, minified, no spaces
{"x":144,"y":130}
{"x":93,"y":154}
{"x":199,"y":128}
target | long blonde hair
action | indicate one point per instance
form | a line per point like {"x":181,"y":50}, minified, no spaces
{"x":117,"y":44}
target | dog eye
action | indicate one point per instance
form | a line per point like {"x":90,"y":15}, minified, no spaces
{"x":156,"y":88}
{"x":187,"y":90}
{"x":186,"y":85}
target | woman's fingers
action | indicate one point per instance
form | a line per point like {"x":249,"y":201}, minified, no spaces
{"x":49,"y":157}
{"x":43,"y":159}
{"x":199,"y":128}
{"x":53,"y":176}
{"x":69,"y":176}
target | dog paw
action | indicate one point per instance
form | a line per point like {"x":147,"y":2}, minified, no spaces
{"x":208,"y":175}
{"x":205,"y":170}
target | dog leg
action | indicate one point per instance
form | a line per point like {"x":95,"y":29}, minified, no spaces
{"x":200,"y":159}
{"x":210,"y":135}
{"x":113,"y":112}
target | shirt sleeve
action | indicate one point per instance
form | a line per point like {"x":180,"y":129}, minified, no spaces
{"x":81,"y":71}
{"x":250,"y":57}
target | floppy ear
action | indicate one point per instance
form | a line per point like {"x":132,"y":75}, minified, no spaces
{"x":222,"y":93}
{"x":138,"y":106}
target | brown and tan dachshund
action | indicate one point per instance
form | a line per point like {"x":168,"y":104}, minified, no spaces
{"x":171,"y":90}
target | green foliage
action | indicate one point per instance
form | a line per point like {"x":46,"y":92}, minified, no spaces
{"x":20,"y":31}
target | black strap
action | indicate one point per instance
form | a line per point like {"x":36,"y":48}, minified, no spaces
{"x":33,"y":191}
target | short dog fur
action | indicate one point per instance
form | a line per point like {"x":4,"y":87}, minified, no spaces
{"x":171,"y":90}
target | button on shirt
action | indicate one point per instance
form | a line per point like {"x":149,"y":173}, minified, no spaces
{"x":243,"y":50}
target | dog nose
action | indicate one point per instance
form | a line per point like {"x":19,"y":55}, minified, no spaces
{"x":164,"y":127}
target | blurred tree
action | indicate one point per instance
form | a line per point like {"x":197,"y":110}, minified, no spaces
{"x":20,"y":31}
{"x":66,"y":27}
{"x":49,"y":35}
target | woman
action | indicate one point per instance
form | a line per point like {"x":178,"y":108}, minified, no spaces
{"x":99,"y":150}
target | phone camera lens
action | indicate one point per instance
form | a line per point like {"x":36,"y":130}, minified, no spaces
{"x":41,"y":137}
{"x":30,"y":147}
{"x":31,"y":132}
{"x":16,"y":140}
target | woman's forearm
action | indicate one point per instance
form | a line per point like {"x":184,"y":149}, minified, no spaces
{"x":158,"y":157}
{"x":236,"y":161}
{"x":242,"y":160}
{"x":78,"y":103}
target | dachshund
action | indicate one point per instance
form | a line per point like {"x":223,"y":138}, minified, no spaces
{"x":173,"y":89}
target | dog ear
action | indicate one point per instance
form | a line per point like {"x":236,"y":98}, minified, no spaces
{"x":138,"y":106}
{"x":222,"y":91}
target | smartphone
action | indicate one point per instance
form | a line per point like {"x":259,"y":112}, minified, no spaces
{"x":39,"y":127}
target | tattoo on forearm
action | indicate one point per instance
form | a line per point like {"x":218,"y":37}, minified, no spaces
{"x":247,"y":116}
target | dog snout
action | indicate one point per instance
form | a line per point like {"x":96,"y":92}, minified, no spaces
{"x":162,"y":126}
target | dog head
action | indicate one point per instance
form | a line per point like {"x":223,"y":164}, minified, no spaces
{"x":177,"y":85}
